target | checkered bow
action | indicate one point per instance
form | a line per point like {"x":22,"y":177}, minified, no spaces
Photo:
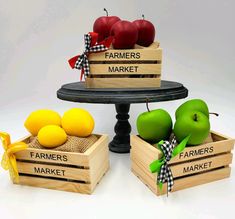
{"x":81,"y":62}
{"x":165,"y":174}
{"x":169,"y":149}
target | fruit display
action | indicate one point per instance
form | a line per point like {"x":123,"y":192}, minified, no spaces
{"x":51,"y":136}
{"x":154,"y":125}
{"x":78,"y":122}
{"x":193,"y":123}
{"x":40,"y":118}
{"x":125,"y":33}
{"x":103,"y":25}
{"x":194,"y":104}
{"x":146,"y":32}
{"x":192,"y":119}
{"x":52,"y":131}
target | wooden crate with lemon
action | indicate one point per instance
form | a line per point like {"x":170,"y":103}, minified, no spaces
{"x":191,"y":156}
{"x":61,"y":153}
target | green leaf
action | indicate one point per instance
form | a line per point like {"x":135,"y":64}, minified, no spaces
{"x":180,"y":147}
{"x":159,"y":146}
{"x":155,"y":166}
{"x":160,"y":186}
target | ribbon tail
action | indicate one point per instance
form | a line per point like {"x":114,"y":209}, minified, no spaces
{"x":82,"y":74}
{"x":72,"y":61}
{"x":155,"y":166}
{"x":13,"y":175}
{"x":94,"y":38}
{"x":107,"y":42}
{"x":160,"y":185}
{"x":181,"y":146}
{"x":5,"y":161}
{"x":13,"y":163}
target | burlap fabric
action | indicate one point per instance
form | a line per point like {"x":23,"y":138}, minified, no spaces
{"x":73,"y":144}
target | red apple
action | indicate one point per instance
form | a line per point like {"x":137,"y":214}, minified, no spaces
{"x":125,"y":35}
{"x":146,"y":32}
{"x":103,"y":25}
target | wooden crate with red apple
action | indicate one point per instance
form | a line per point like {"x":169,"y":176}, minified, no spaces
{"x":126,"y":68}
{"x":67,"y":171}
{"x":194,"y":166}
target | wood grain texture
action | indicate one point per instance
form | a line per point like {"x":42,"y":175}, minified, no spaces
{"x":77,"y":92}
{"x":182,"y":183}
{"x":184,"y":168}
{"x":189,"y":153}
{"x":122,"y":82}
{"x":55,"y":184}
{"x":153,"y":52}
{"x":190,"y":171}
{"x":54,"y":171}
{"x":50,"y":156}
{"x":37,"y":168}
{"x":125,"y":69}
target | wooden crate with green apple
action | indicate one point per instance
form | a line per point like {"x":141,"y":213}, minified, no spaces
{"x":205,"y":158}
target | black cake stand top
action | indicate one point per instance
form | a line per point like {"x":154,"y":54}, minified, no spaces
{"x":77,"y":92}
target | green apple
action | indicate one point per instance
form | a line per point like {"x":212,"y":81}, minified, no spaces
{"x":192,"y":123}
{"x":192,"y":105}
{"x":155,"y":125}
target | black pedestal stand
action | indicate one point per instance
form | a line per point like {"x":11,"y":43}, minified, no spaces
{"x":122,"y":98}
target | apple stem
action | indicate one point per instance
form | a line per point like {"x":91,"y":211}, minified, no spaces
{"x":107,"y":14}
{"x":147,"y":104}
{"x":143,"y":16}
{"x":216,"y":114}
{"x":195,"y":117}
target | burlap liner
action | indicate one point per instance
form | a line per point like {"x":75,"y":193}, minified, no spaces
{"x":73,"y":144}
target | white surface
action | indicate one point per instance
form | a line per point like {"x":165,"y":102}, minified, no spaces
{"x":37,"y":38}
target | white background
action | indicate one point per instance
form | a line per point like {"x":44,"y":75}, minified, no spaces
{"x":36,"y":40}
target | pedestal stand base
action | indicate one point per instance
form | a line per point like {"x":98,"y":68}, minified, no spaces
{"x":121,"y":141}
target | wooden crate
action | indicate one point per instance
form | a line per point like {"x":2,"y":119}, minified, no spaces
{"x":130,"y":68}
{"x":67,"y":171}
{"x":194,"y":166}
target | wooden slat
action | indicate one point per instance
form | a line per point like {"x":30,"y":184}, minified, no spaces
{"x":128,"y":54}
{"x":218,"y":136}
{"x":125,"y":69}
{"x":202,"y":178}
{"x":184,"y":182}
{"x":50,"y":156}
{"x":144,"y":177}
{"x":122,"y":82}
{"x":102,"y":171}
{"x":140,"y":146}
{"x":55,"y":184}
{"x":54,"y":171}
{"x":189,"y":153}
{"x":204,"y":150}
{"x":142,"y":165}
{"x":99,"y":164}
{"x":100,"y":143}
{"x":60,"y":157}
{"x":200,"y":165}
{"x":185,"y":168}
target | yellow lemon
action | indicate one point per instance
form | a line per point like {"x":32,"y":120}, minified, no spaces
{"x":40,"y":118}
{"x":78,"y":122}
{"x":51,"y":136}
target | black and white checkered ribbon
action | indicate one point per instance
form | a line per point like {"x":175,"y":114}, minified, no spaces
{"x":165,"y":174}
{"x":82,"y":62}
